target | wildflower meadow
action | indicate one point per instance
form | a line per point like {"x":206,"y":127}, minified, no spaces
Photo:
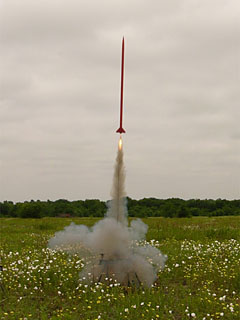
{"x":201,"y":278}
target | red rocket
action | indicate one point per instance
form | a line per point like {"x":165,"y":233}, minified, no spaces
{"x":121,"y":130}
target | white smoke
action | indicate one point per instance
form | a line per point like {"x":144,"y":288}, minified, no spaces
{"x":118,"y":206}
{"x":113,"y":240}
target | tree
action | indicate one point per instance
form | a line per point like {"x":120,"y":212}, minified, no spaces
{"x":30,"y":210}
{"x":183,"y":212}
{"x":6,"y":208}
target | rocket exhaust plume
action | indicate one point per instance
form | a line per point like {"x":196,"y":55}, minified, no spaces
{"x":118,"y":209}
{"x":111,"y":248}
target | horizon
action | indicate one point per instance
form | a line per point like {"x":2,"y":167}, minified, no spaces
{"x":102,"y":200}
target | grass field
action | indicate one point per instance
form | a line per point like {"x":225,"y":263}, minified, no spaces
{"x":201,"y":279}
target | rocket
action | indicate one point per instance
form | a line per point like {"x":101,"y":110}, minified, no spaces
{"x":121,"y":130}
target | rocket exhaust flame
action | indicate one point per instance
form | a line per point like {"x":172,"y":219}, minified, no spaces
{"x":120,"y":143}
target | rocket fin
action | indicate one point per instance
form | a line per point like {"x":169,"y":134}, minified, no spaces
{"x":121,"y":130}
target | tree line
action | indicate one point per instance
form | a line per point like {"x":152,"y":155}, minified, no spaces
{"x":147,"y":207}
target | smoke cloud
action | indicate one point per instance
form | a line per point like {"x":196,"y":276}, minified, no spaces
{"x":111,"y":248}
{"x":118,"y":206}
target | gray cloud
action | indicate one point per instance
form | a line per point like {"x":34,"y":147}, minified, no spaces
{"x":60,"y":63}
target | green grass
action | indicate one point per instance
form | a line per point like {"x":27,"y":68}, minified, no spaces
{"x":201,"y":279}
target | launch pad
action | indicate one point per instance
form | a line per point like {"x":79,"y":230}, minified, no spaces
{"x":115,"y":270}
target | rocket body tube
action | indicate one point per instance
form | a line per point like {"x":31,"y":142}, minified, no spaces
{"x":121,"y":130}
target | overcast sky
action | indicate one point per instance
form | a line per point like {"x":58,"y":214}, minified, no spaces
{"x":60,"y":81}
